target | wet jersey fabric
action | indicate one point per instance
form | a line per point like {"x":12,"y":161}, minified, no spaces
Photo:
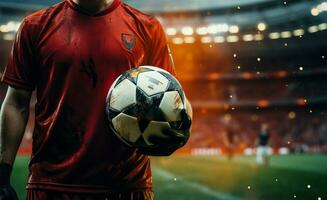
{"x":71,"y":58}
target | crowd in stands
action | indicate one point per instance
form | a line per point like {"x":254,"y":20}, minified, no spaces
{"x":276,"y":89}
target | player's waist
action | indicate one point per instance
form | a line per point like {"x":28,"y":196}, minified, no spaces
{"x":84,"y":188}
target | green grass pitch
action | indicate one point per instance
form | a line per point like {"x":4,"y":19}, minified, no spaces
{"x":213,"y":178}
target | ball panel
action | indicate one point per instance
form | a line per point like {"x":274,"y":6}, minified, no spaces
{"x":148,"y":107}
{"x":133,"y":74}
{"x":171,"y":105}
{"x":154,"y":68}
{"x":143,"y":123}
{"x":155,"y":128}
{"x":152,"y":82}
{"x":123,"y":95}
{"x":112,"y":87}
{"x":111,"y":113}
{"x":174,"y":85}
{"x":123,"y":77}
{"x":127,"y":127}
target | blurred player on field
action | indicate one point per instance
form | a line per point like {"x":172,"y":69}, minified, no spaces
{"x":70,"y":54}
{"x":229,"y":136}
{"x":230,"y":141}
{"x":263,"y":146}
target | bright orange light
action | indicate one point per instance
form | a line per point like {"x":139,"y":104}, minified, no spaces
{"x":247,"y":75}
{"x":214,"y":76}
{"x":301,"y":101}
{"x":281,"y":74}
{"x":263,"y":103}
{"x":226,"y":106}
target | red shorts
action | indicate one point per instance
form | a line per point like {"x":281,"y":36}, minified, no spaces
{"x":34,"y":194}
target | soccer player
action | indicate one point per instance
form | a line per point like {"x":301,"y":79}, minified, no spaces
{"x":230,"y":141}
{"x":70,"y":54}
{"x":263,"y":146}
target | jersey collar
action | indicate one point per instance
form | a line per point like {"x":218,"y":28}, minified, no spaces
{"x":107,"y":10}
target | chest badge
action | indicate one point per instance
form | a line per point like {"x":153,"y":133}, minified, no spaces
{"x":129,"y":40}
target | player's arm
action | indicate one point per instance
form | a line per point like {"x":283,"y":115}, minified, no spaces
{"x":13,"y":120}
{"x":19,"y":74}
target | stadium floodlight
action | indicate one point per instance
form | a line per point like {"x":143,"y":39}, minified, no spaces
{"x":234,"y":29}
{"x":298,"y":32}
{"x":322,"y":26}
{"x":223,"y":28}
{"x":189,"y":40}
{"x":322,"y":7}
{"x":202,"y":31}
{"x":206,"y":39}
{"x":213,"y":29}
{"x":10,"y":27}
{"x":232,"y":38}
{"x":248,"y":37}
{"x":261,"y":26}
{"x":258,"y":37}
{"x":178,"y":40}
{"x":8,"y":36}
{"x":171,"y":31}
{"x":314,"y":12}
{"x":274,"y":35}
{"x":219,"y":39}
{"x":286,"y":34}
{"x":4,"y":29}
{"x":218,"y":28}
{"x":187,"y":30}
{"x":313,"y":29}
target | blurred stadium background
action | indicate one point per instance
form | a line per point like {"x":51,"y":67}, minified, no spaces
{"x":242,"y":63}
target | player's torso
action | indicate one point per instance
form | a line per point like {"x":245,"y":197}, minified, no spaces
{"x":79,"y":57}
{"x":92,"y":48}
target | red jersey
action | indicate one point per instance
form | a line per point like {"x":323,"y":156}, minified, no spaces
{"x":71,"y":58}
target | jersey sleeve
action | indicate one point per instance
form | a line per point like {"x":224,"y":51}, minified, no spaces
{"x":159,"y":54}
{"x":19,"y":71}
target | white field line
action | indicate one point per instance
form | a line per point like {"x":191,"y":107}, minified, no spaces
{"x":196,"y":186}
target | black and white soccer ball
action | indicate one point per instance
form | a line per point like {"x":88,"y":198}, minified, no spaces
{"x":142,"y":102}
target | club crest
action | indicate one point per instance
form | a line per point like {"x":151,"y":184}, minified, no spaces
{"x":129,"y":40}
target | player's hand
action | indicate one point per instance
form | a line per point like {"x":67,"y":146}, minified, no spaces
{"x":7,"y":192}
{"x":174,"y":138}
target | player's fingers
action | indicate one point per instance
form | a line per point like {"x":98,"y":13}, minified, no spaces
{"x":168,"y":137}
{"x":186,"y":120}
{"x":176,"y":136}
{"x":162,"y":140}
{"x":181,"y":136}
{"x":172,"y":133}
{"x":154,"y":139}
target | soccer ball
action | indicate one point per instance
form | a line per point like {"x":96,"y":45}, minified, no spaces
{"x":142,"y":102}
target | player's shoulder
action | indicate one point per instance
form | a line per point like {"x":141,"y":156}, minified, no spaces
{"x":146,"y":19}
{"x":41,"y":15}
